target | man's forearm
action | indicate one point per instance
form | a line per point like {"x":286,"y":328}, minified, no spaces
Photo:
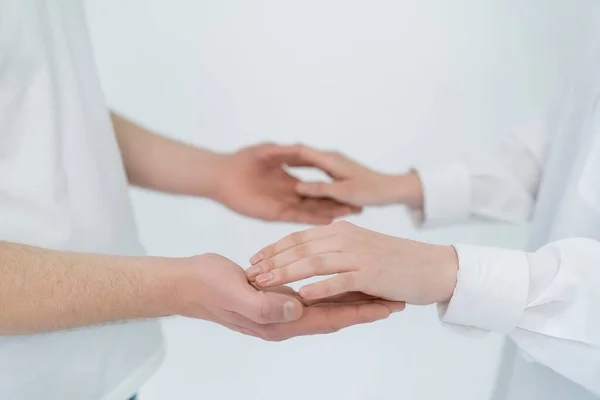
{"x":43,"y":290}
{"x":159,"y":163}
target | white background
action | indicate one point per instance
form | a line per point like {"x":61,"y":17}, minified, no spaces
{"x":386,"y":81}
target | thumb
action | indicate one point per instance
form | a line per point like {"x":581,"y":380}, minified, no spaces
{"x":270,"y":308}
{"x":340,"y":191}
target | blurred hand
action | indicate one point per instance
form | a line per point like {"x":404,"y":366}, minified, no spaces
{"x":253,"y":182}
{"x":356,"y":184}
{"x":213,"y":288}
{"x":384,"y":266}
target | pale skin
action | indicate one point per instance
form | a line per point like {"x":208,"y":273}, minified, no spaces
{"x":387,"y":267}
{"x":43,"y":290}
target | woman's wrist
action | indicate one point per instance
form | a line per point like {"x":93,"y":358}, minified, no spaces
{"x":406,"y":189}
{"x":446,"y":259}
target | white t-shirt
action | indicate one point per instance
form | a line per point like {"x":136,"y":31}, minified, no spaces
{"x":63,"y":186}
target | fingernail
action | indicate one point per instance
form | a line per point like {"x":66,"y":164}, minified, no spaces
{"x":252,"y":272}
{"x":256,"y":258}
{"x":289,"y":311}
{"x":265,"y":278}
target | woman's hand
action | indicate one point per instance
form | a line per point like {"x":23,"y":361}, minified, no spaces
{"x":383,"y":266}
{"x":356,"y":184}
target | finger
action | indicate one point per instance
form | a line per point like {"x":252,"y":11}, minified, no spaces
{"x":292,"y":240}
{"x":358,"y":297}
{"x":281,"y":289}
{"x":340,"y":191}
{"x":284,"y":154}
{"x":294,"y":254}
{"x":393,"y":306}
{"x":326,"y":208}
{"x":349,"y":297}
{"x":323,"y":208}
{"x":319,"y":265}
{"x":296,"y":216}
{"x":300,"y":213}
{"x":332,"y":163}
{"x":326,"y":319}
{"x":346,"y":282}
{"x":267,"y":307}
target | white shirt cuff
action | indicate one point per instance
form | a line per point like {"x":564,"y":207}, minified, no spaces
{"x":446,"y":194}
{"x":491,"y":291}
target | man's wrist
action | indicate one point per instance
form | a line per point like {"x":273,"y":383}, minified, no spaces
{"x":163,"y":283}
{"x":184,"y":287}
{"x":210,"y":167}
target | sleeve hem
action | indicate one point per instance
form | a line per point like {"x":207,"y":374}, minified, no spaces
{"x":491,"y":291}
{"x":446,"y":194}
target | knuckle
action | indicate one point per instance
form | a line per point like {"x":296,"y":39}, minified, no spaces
{"x":268,"y":251}
{"x":338,"y":243}
{"x":296,"y":238}
{"x":301,"y":149}
{"x":301,"y":251}
{"x":315,"y":265}
{"x":267,"y":265}
{"x":264,"y":314}
{"x":342,"y":226}
{"x":281,"y":274}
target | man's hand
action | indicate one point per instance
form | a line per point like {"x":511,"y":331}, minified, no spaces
{"x":213,"y":288}
{"x":384,"y":266}
{"x":253,"y":182}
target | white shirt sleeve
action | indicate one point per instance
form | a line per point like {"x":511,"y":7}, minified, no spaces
{"x":548,"y":302}
{"x":500,"y":184}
